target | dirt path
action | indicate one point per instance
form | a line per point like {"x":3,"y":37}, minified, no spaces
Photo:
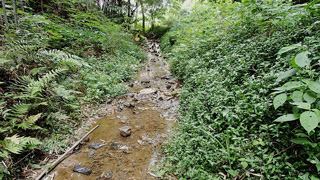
{"x":149,"y":109}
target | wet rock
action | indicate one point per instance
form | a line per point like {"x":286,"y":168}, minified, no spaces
{"x":167,"y":77}
{"x":148,"y":91}
{"x":125,"y":131}
{"x":145,"y":81}
{"x":120,"y":108}
{"x":96,"y":145}
{"x":115,"y":146}
{"x":123,"y":121}
{"x":82,"y":170}
{"x":91,"y":154}
{"x":86,"y":139}
{"x":129,"y":105}
{"x":107,"y":175}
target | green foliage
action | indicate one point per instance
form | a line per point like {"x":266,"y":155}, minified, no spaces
{"x":50,"y":66}
{"x":229,"y":56}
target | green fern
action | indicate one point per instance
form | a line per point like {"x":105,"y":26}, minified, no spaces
{"x":29,"y":122}
{"x":35,"y":87}
{"x":64,"y":58}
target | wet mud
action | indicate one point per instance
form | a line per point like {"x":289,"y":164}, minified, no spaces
{"x":149,"y":109}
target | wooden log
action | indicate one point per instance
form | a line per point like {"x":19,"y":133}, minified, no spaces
{"x":61,"y":158}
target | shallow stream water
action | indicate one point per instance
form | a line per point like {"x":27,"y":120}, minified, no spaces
{"x":150,"y":109}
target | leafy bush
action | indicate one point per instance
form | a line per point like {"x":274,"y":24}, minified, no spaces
{"x":227,"y":56}
{"x":158,"y":31}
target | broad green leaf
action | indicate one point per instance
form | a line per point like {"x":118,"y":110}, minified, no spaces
{"x":301,"y":141}
{"x":302,"y":59}
{"x":244,"y":164}
{"x":310,"y":97}
{"x":279,"y":100}
{"x":290,"y":85}
{"x":296,"y":96}
{"x":233,"y":172}
{"x":293,"y":64}
{"x":314,"y":86}
{"x":287,"y":74}
{"x":309,"y":120}
{"x":286,"y":118}
{"x":302,"y":105}
{"x":289,"y":48}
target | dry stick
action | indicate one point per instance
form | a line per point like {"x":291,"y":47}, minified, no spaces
{"x":55,"y":163}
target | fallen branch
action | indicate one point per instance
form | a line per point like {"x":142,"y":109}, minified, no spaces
{"x":61,"y":158}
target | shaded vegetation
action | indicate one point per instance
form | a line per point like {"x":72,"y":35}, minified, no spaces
{"x":63,"y":54}
{"x":227,"y":56}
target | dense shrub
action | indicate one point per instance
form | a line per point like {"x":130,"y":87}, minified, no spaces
{"x":227,"y":57}
{"x":158,"y":31}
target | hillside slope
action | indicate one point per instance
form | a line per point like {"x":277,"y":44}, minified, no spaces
{"x":62,"y":55}
{"x":227,"y":56}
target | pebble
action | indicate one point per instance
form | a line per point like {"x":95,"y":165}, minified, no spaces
{"x":82,"y":170}
{"x":91,"y":154}
{"x":96,"y":145}
{"x":125,"y":131}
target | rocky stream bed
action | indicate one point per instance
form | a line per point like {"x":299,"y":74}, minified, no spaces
{"x":128,"y":142}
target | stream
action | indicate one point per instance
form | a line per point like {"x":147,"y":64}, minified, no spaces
{"x":147,"y":115}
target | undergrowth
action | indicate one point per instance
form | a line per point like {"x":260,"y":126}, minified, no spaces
{"x":227,"y":57}
{"x":57,"y":59}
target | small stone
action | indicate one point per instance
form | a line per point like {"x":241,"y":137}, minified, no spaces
{"x":168,"y":86}
{"x":129,"y":105}
{"x":82,"y":170}
{"x":115,"y":145}
{"x":171,"y":82}
{"x":86,"y":139}
{"x":135,"y":112}
{"x":125,"y":131}
{"x":91,"y":154}
{"x":160,"y":98}
{"x":96,"y":145}
{"x":107,"y":175}
{"x":148,"y":91}
{"x":145,"y":81}
{"x":123,"y":121}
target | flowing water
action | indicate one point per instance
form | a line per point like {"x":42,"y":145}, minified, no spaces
{"x":150,"y":109}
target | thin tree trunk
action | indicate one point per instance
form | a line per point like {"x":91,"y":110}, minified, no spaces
{"x":15,"y":13}
{"x":5,"y":15}
{"x":22,"y":5}
{"x":129,"y":8}
{"x":143,"y":18}
{"x":1,"y":20}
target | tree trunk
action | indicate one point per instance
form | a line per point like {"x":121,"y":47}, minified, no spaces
{"x":129,"y":8}
{"x":22,"y":5}
{"x":5,"y":15}
{"x":143,"y":19}
{"x":15,"y":13}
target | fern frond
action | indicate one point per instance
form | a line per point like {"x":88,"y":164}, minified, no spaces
{"x":29,"y":122}
{"x":64,"y":58}
{"x":33,"y":87}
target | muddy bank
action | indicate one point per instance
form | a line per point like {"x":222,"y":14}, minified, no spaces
{"x":148,"y":115}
